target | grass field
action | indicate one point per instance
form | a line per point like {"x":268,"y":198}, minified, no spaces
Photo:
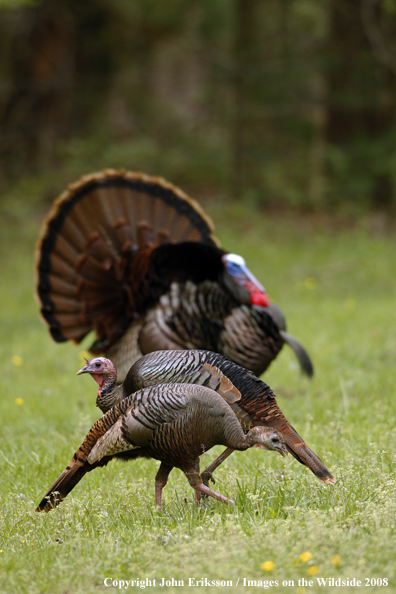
{"x":336,"y":284}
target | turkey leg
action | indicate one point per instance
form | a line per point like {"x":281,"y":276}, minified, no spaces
{"x":161,"y":478}
{"x":207,"y":473}
{"x":196,"y":482}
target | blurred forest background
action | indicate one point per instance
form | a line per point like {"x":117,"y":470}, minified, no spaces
{"x":276,"y":102}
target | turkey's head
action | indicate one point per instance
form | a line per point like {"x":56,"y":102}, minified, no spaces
{"x":267,"y":439}
{"x":103,"y":371}
{"x":242,"y":283}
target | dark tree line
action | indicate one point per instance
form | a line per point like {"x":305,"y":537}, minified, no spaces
{"x":275,"y":100}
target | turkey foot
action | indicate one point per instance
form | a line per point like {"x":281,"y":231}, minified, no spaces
{"x":204,"y":489}
{"x":207,"y":476}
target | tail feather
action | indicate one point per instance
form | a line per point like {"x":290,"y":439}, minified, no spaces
{"x":306,"y":456}
{"x":71,"y":476}
{"x":299,"y":449}
{"x":78,"y":465}
{"x":62,"y":487}
{"x":93,"y":241}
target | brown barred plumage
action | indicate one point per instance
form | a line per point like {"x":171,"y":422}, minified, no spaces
{"x":253,"y":401}
{"x":171,"y":423}
{"x":135,"y":259}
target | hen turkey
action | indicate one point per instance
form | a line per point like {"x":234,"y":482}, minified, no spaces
{"x":135,"y":259}
{"x":253,"y":401}
{"x":171,"y":423}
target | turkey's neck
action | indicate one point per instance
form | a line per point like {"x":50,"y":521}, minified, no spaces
{"x":108,"y":392}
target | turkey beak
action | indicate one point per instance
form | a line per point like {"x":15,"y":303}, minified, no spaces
{"x":275,"y":443}
{"x":85,"y":369}
{"x":278,"y":444}
{"x":283,"y":450}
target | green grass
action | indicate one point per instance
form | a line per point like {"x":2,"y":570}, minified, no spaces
{"x":109,"y":527}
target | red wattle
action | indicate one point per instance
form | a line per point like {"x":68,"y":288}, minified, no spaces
{"x":258,"y":298}
{"x":98,"y":378}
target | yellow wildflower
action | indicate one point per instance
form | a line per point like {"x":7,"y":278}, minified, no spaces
{"x":19,"y":401}
{"x":313,"y":570}
{"x":336,"y":560}
{"x":17,"y":360}
{"x":305,"y":557}
{"x":310,"y":283}
{"x":268,"y":565}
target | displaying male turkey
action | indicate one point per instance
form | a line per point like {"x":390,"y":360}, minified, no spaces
{"x":253,"y":401}
{"x":173,"y":423}
{"x":135,"y":259}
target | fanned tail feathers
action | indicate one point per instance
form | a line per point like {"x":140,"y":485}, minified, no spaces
{"x":92,"y":255}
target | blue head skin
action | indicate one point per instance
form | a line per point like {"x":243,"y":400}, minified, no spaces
{"x":236,"y":267}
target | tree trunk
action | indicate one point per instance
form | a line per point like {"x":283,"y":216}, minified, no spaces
{"x":243,"y":59}
{"x":358,"y":115}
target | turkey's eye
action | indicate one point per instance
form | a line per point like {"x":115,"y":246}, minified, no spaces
{"x":98,"y":364}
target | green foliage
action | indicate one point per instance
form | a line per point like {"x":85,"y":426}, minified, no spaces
{"x":14,"y":4}
{"x":336,"y":285}
{"x":290,"y":101}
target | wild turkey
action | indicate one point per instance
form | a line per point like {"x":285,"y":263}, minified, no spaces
{"x":135,"y":259}
{"x":252,"y":400}
{"x":174,"y":423}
